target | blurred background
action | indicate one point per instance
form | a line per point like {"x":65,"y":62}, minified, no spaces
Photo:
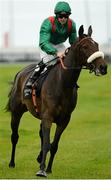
{"x":85,"y":147}
{"x":20,"y":22}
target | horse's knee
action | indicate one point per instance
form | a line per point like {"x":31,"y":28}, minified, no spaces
{"x":46,"y":147}
{"x":14,"y":138}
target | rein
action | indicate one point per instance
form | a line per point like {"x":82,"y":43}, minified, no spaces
{"x":67,"y":67}
{"x":89,"y":60}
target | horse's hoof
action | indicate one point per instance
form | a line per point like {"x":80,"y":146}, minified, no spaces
{"x":11,"y":165}
{"x":41,"y":173}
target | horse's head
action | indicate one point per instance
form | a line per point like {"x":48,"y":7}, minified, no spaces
{"x":89,"y":54}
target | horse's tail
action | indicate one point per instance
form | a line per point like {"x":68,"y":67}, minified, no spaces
{"x":10,"y":95}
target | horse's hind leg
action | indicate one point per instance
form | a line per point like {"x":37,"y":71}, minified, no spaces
{"x":54,"y":145}
{"x":15,"y":119}
{"x":39,"y":158}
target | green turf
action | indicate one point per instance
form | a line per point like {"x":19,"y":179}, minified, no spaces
{"x":85,"y":146}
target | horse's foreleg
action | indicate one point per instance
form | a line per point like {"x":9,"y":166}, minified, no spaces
{"x":15,"y":119}
{"x":39,"y":158}
{"x":54,"y":145}
{"x":45,"y":149}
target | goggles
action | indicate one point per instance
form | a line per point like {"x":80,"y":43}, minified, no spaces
{"x":63,"y":16}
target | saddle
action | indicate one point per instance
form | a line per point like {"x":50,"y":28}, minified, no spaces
{"x":40,"y":80}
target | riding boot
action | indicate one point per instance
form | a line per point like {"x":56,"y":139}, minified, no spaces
{"x":28,"y":87}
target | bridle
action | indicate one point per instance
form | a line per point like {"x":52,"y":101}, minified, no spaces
{"x":91,"y":58}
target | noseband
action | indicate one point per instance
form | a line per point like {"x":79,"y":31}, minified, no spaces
{"x":95,"y":55}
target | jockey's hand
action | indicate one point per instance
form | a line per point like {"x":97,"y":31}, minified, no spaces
{"x":61,"y":55}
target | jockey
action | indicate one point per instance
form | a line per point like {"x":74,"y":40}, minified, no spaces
{"x":54,"y":31}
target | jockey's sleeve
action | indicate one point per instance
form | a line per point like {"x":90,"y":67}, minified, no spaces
{"x":73,"y":35}
{"x":45,"y":36}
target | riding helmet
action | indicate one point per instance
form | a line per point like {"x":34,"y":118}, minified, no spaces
{"x":62,"y":7}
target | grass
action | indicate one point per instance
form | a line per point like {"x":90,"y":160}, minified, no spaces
{"x":85,"y":146}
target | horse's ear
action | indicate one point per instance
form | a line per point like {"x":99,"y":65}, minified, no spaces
{"x":81,"y":31}
{"x":90,"y":31}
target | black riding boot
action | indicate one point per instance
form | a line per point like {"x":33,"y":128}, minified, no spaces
{"x":28,"y":87}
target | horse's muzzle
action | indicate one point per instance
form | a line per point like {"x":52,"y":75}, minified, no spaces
{"x":102,"y":70}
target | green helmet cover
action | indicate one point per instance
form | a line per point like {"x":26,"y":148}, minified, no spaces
{"x":62,"y":7}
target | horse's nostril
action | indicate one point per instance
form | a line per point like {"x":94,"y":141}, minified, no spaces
{"x":103,"y":69}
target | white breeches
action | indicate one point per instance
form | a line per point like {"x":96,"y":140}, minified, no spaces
{"x":46,"y":57}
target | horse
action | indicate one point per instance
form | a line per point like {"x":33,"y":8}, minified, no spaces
{"x":58,"y":96}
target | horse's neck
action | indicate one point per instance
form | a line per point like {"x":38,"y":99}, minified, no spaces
{"x":71,"y":74}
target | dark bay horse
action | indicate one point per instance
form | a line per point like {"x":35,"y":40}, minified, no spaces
{"x":58,"y":96}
